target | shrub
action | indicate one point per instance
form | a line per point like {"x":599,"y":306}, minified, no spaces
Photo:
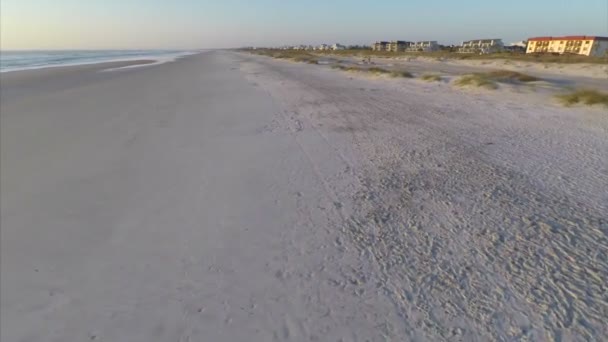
{"x":585,"y":96}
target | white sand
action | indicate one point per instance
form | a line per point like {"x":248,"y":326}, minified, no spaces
{"x":230,"y":197}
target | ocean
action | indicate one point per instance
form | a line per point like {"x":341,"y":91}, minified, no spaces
{"x":24,"y":60}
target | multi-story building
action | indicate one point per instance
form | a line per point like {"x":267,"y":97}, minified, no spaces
{"x":580,"y":45}
{"x":481,"y":46}
{"x":398,"y":46}
{"x":425,"y":46}
{"x":380,"y":46}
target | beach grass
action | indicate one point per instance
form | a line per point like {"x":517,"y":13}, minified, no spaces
{"x":431,"y":78}
{"x":476,"y":80}
{"x":374,"y":70}
{"x":490,"y":79}
{"x":510,"y":76}
{"x":402,"y":74}
{"x":584,"y":96}
{"x":446,"y":55}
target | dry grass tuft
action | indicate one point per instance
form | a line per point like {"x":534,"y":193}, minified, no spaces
{"x":510,"y":76}
{"x":378,"y":71}
{"x":585,"y":96}
{"x":403,"y":74}
{"x":431,"y":78}
{"x":476,"y":80}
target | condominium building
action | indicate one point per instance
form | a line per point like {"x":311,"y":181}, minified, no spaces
{"x":481,"y":46}
{"x":379,"y":46}
{"x":580,"y":45}
{"x":425,"y":46}
{"x":398,"y":46}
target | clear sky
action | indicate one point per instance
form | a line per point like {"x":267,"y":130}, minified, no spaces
{"x":186,"y":24}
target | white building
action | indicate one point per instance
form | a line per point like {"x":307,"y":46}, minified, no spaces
{"x":336,"y":47}
{"x":482,"y":46}
{"x":424,"y":46}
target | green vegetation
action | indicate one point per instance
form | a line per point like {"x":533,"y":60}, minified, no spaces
{"x":489,"y":80}
{"x":403,"y":74}
{"x":476,"y":80}
{"x":378,"y":71}
{"x":431,"y":78}
{"x":539,"y":58}
{"x":374,"y":70}
{"x":294,"y":55}
{"x":510,"y":76}
{"x":584,"y":96}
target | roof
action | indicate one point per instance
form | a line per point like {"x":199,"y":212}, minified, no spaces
{"x":536,"y":39}
{"x":478,"y":40}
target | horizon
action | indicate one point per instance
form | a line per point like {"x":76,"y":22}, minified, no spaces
{"x":65,"y":25}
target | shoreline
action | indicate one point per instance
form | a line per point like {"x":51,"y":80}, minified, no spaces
{"x":23,"y":83}
{"x":130,"y":62}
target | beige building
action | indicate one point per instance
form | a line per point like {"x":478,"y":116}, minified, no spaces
{"x":482,"y":46}
{"x":580,"y":45}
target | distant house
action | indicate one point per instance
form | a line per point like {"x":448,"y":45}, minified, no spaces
{"x":398,"y":46}
{"x":580,"y":45}
{"x":481,"y":46}
{"x":425,"y":46}
{"x":518,"y":47}
{"x":379,"y":46}
{"x":336,"y":47}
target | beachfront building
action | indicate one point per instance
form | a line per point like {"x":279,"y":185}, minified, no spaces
{"x":580,"y":45}
{"x":379,"y":46}
{"x":425,"y":46}
{"x":481,"y":46}
{"x":398,"y":46}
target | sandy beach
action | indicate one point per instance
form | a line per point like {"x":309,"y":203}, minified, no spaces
{"x":233,"y":197}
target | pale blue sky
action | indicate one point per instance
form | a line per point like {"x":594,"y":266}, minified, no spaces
{"x":185,"y":24}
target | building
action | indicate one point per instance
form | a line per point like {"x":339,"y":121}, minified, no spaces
{"x":337,"y":47}
{"x":379,"y":46}
{"x":482,"y":46}
{"x":425,"y":46}
{"x":398,"y":46}
{"x":580,"y":45}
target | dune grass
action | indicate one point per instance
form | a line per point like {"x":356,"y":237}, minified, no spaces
{"x":510,"y":76}
{"x":374,"y":70}
{"x":490,"y":79}
{"x":584,"y":96}
{"x":431,"y":78}
{"x":402,"y":74}
{"x":476,"y":80}
{"x":442,"y":55}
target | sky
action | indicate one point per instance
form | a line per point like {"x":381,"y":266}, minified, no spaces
{"x":193,"y":24}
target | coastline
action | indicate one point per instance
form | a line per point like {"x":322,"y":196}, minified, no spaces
{"x":136,"y":60}
{"x":23,"y":83}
